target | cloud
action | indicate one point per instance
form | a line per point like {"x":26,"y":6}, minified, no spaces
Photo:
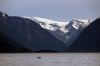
{"x":41,"y":3}
{"x":47,"y":8}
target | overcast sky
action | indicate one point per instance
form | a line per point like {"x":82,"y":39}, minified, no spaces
{"x":59,"y":10}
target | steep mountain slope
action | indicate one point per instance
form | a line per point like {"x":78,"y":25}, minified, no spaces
{"x":75,"y":27}
{"x":7,"y":45}
{"x":65,"y":31}
{"x":29,"y":34}
{"x":88,"y":40}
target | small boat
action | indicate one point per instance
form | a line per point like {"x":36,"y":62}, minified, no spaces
{"x":38,"y":57}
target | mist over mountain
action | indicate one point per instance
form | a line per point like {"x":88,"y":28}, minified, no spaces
{"x":88,"y":40}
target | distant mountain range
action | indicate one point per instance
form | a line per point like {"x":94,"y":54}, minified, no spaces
{"x":26,"y":34}
{"x":88,"y":40}
{"x":29,"y":34}
{"x":64,"y":31}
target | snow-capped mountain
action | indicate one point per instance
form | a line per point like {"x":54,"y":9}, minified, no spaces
{"x":62,"y":30}
{"x":50,"y":24}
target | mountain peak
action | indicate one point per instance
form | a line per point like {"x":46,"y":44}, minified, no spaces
{"x":77,"y":23}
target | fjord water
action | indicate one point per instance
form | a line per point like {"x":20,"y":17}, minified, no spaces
{"x":50,"y":59}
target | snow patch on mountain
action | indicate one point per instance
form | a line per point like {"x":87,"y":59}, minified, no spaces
{"x":4,"y":15}
{"x":56,"y":25}
{"x":83,"y":23}
{"x":50,"y":24}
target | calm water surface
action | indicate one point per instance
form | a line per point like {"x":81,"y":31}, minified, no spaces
{"x":50,"y":59}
